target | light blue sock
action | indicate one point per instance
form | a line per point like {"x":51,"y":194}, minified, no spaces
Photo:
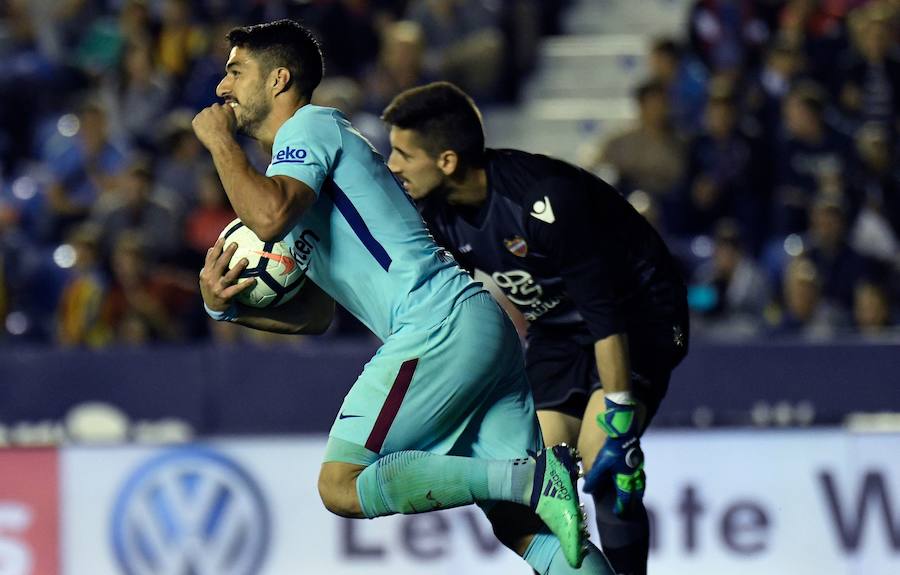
{"x":418,"y":481}
{"x":545,"y":556}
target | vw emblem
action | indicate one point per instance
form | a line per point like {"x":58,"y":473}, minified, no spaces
{"x":190,"y":510}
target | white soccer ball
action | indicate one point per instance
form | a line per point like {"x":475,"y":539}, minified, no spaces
{"x":278,"y":276}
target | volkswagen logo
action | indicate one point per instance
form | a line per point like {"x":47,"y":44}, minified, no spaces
{"x":190,"y":510}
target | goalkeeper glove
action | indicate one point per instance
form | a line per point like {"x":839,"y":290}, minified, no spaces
{"x":620,"y":459}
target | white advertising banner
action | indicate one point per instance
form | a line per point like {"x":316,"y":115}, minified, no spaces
{"x":792,"y":503}
{"x":247,"y":508}
{"x":779,"y":502}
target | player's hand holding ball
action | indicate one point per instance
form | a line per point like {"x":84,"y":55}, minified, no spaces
{"x":218,"y":282}
{"x":621,"y":459}
{"x":244,"y":269}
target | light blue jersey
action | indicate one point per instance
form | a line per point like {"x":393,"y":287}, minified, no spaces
{"x":363,"y":241}
{"x":450,"y":377}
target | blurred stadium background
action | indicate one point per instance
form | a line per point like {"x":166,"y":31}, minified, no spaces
{"x":760,"y":138}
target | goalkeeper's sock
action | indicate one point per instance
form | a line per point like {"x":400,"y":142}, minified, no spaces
{"x":545,"y":556}
{"x":418,"y":481}
{"x":625,"y":540}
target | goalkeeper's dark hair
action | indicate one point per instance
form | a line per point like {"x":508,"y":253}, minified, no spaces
{"x":283,"y":43}
{"x":444,"y":116}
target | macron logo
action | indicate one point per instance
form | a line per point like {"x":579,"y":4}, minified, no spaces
{"x":290,"y":155}
{"x":543,"y":211}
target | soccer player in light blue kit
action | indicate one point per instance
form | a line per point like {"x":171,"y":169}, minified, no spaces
{"x":442,"y":416}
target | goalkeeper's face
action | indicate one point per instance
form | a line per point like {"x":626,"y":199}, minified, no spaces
{"x":420,"y":173}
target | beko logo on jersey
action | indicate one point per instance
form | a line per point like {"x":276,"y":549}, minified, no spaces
{"x":290,"y":155}
{"x":543,"y":211}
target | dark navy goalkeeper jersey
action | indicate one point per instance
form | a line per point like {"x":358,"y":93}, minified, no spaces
{"x":565,"y":247}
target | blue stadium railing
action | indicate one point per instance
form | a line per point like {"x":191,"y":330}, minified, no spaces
{"x":276,"y":390}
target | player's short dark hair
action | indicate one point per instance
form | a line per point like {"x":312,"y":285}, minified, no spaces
{"x":446,"y":118}
{"x":284,"y":43}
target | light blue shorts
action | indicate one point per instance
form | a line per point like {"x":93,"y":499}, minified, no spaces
{"x":459,"y":388}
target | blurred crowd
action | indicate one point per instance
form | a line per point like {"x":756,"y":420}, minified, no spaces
{"x":108,"y":202}
{"x":765,"y":151}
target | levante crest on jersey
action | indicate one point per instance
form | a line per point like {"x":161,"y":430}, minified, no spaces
{"x":517,"y":246}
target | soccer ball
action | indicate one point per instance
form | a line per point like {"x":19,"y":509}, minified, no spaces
{"x":278,"y":276}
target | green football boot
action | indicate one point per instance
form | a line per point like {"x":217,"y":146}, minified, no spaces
{"x":555,"y":499}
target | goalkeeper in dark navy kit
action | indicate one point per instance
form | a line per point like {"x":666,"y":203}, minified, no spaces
{"x":606,"y":305}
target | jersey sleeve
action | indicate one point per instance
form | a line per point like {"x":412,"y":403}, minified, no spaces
{"x":566,"y":226}
{"x":305,"y":149}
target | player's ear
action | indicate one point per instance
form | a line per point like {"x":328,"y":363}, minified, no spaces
{"x":280,"y":80}
{"x":448,"y":162}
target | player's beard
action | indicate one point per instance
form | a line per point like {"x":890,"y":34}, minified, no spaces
{"x":435,"y":198}
{"x":429,"y":189}
{"x":253,"y":112}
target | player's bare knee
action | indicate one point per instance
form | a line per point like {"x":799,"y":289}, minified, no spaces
{"x":337,"y":489}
